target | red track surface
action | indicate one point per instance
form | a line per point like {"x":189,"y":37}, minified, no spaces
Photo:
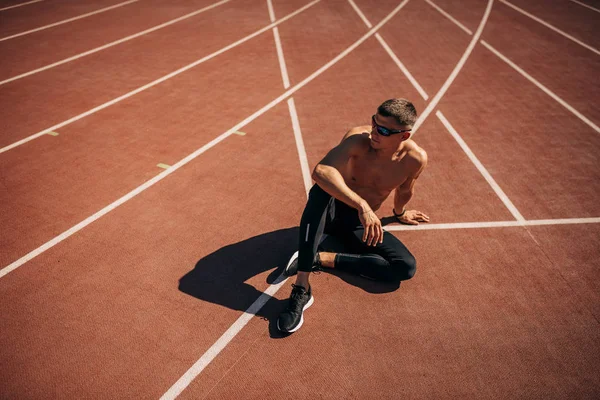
{"x":125,"y":306}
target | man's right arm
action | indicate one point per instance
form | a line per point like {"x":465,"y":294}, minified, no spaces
{"x":328,"y":176}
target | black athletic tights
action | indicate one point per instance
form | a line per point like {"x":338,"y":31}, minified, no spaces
{"x":389,"y":261}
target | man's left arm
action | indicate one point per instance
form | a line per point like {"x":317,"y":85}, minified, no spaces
{"x":404,"y":193}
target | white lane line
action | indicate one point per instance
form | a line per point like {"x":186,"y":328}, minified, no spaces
{"x":585,"y":5}
{"x":34,"y":253}
{"x":306,"y":176}
{"x":69,"y":20}
{"x":542,"y":87}
{"x":450,"y":17}
{"x":155,"y":82}
{"x":111,"y":44}
{"x":360,"y":14}
{"x":492,"y":224}
{"x":404,"y":70}
{"x":20,"y":5}
{"x":547,"y":25}
{"x":436,"y":99}
{"x":207,"y":146}
{"x":387,"y":48}
{"x":281,"y":58}
{"x":223,"y":341}
{"x":511,"y":207}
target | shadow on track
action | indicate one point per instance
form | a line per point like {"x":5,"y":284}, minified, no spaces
{"x":221,"y":277}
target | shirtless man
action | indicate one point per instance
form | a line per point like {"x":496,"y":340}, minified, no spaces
{"x":352,"y":182}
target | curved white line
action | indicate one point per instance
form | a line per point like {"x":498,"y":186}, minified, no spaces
{"x":41,"y":28}
{"x":153,"y":83}
{"x":438,"y":96}
{"x":111,"y":44}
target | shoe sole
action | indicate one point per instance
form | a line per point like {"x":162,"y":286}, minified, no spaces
{"x":287,"y":267}
{"x":294,"y":329}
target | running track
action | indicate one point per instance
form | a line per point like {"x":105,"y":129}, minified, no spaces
{"x":120,"y":278}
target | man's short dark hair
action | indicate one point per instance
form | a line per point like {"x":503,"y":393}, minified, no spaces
{"x":402,"y":110}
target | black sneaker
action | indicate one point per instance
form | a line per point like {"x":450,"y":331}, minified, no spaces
{"x":291,"y":319}
{"x":292,"y":267}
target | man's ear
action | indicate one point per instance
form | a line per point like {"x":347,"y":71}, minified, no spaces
{"x":406,"y":136}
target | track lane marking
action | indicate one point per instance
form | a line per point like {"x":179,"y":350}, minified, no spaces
{"x":488,"y":177}
{"x":20,"y":5}
{"x":450,"y":17}
{"x":547,"y":25}
{"x":550,"y":93}
{"x":68,"y":20}
{"x":585,"y":5}
{"x":388,"y":50}
{"x":53,"y":242}
{"x":563,"y":103}
{"x":233,"y":330}
{"x":438,"y":96}
{"x":111,"y":44}
{"x":494,"y":224}
{"x":495,"y":187}
{"x":155,"y":82}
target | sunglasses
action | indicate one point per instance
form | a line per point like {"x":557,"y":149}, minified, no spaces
{"x":383,"y":131}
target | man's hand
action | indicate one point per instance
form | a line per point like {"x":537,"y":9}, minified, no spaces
{"x":373,"y":229}
{"x":411,"y":217}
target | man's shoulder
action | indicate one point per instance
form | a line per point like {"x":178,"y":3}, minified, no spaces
{"x":357,"y":139}
{"x":417,"y":156}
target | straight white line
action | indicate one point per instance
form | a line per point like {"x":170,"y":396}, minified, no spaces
{"x":450,"y":17}
{"x":223,"y":341}
{"x":282,"y":66}
{"x":511,"y":207}
{"x":34,"y":253}
{"x":207,"y":146}
{"x":300,"y":146}
{"x":271,"y":11}
{"x":20,"y":5}
{"x":360,"y":14}
{"x":116,"y":42}
{"x":155,"y":82}
{"x":493,"y":224}
{"x":547,"y":25}
{"x":306,"y":177}
{"x":585,"y":5}
{"x":68,"y":20}
{"x":404,"y":70}
{"x":542,"y":87}
{"x":387,"y":48}
{"x":436,"y":99}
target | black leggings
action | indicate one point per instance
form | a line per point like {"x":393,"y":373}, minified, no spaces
{"x":389,"y":261}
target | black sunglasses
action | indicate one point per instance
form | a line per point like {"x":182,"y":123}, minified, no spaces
{"x":383,"y":131}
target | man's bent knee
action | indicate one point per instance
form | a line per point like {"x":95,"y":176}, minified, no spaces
{"x":406,"y":268}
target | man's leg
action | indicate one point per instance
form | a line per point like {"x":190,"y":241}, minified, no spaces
{"x":319,"y":207}
{"x":389,"y":261}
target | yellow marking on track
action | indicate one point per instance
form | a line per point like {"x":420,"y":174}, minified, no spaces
{"x":53,"y":133}
{"x":164,"y":166}
{"x":240,"y":133}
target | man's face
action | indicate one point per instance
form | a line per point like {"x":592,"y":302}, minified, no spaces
{"x":386,"y":132}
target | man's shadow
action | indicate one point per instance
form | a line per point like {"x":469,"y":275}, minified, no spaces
{"x":221,"y":277}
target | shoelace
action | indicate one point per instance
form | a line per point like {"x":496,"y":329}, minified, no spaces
{"x":295,"y":304}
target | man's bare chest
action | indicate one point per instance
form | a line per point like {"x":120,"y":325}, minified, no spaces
{"x":381,"y":176}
